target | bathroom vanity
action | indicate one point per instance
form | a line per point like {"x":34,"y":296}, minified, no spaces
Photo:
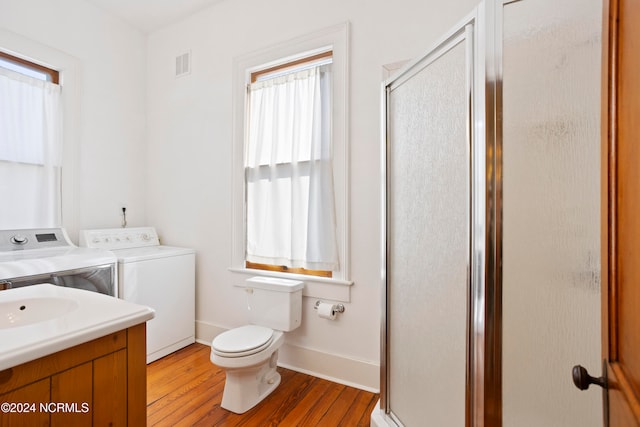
{"x":83,"y":362}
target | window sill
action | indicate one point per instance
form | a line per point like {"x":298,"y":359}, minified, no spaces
{"x":315,"y":286}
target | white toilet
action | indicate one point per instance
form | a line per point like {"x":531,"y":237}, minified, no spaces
{"x":249,"y":354}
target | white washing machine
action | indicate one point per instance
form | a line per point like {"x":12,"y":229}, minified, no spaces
{"x":161,"y":277}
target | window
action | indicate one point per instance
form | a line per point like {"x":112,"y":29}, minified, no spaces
{"x":290,"y":158}
{"x":30,"y":144}
{"x":290,"y":215}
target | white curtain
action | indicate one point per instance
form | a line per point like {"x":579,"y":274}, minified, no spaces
{"x":30,"y":152}
{"x":288,"y":172}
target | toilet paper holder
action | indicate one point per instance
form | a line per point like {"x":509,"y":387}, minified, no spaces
{"x":337,"y":308}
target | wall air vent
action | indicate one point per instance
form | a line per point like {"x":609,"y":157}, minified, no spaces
{"x":183,"y":64}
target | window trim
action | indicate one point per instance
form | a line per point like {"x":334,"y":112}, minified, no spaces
{"x":54,"y":75}
{"x":333,"y":39}
{"x":257,"y":74}
{"x":288,"y":270}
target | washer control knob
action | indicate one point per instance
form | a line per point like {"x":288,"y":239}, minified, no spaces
{"x":18,"y":239}
{"x":145,"y":236}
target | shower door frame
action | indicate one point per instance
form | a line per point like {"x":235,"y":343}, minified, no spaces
{"x":483,"y":392}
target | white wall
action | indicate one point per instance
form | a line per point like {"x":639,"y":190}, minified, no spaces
{"x":190,"y":153}
{"x":163,"y":146}
{"x":174,"y":170}
{"x":104,"y":63}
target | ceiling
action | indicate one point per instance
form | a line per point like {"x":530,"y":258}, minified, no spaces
{"x":150,"y":15}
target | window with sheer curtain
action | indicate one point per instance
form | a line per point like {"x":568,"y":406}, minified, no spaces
{"x":289,"y":194}
{"x":30,"y":147}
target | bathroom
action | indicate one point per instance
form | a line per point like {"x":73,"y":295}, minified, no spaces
{"x":137,"y":135}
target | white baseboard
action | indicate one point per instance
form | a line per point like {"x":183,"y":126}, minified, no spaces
{"x":206,"y":332}
{"x":169,"y":349}
{"x":332,"y":367}
{"x":342,"y":370}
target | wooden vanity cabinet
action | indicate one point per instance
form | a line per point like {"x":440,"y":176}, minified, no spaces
{"x":101,"y":382}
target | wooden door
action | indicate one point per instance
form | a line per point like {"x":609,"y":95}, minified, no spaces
{"x":621,"y":211}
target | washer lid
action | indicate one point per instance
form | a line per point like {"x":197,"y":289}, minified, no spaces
{"x":52,"y":260}
{"x":150,"y":253}
{"x":242,"y":341}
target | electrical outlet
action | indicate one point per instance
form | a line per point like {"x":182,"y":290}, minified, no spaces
{"x":122,"y":211}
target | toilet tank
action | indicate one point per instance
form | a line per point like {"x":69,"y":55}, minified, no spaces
{"x":275,"y":303}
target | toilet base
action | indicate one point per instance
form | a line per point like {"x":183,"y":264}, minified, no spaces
{"x":246,"y":387}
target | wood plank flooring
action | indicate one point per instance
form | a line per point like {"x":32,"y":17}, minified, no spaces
{"x":185,"y":389}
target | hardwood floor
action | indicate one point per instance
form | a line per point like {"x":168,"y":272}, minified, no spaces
{"x":185,"y":389}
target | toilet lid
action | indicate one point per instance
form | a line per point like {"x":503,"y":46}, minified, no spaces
{"x":242,"y":341}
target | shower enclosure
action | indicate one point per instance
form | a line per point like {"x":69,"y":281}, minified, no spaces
{"x":491,"y":171}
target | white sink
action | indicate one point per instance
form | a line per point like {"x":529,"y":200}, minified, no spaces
{"x":27,"y":311}
{"x":39,"y":320}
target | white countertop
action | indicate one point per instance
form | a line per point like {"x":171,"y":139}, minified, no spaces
{"x":81,"y":317}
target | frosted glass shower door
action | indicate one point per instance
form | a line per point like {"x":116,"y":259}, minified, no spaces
{"x":428,"y":238}
{"x":551,"y":221}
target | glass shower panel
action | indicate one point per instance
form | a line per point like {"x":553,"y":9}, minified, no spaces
{"x":551,"y":203}
{"x":428,"y":241}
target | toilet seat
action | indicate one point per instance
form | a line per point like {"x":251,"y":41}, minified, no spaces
{"x":243,"y":341}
